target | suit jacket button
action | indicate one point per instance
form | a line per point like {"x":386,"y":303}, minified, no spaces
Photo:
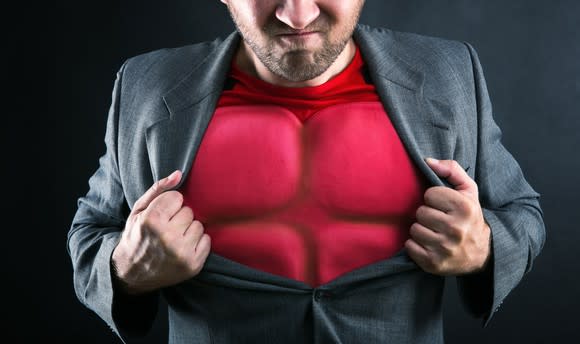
{"x":318,"y":294}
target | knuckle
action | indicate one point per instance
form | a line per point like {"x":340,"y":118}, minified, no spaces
{"x":156,"y":186}
{"x":409,"y":246}
{"x":456,"y":233}
{"x":421,"y":212}
{"x":455,"y":203}
{"x":413,"y":230}
{"x":430,"y":194}
{"x":187,"y":213}
{"x":195,"y":232}
{"x":455,"y":165}
{"x":190,"y":212}
{"x":204,"y":245}
{"x":139,"y":204}
{"x":174,"y":196}
{"x":198,"y":226}
{"x":150,"y":219}
{"x":178,"y":196}
{"x":465,"y":207}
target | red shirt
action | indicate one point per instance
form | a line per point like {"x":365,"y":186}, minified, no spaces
{"x":306,"y":183}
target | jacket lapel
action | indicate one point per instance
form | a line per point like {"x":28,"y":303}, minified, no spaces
{"x":174,"y":141}
{"x":419,"y":122}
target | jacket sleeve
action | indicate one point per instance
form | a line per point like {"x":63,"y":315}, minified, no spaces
{"x":510,"y":207}
{"x":95,"y":231}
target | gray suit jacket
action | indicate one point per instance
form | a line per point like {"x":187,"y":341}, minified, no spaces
{"x":435,"y":94}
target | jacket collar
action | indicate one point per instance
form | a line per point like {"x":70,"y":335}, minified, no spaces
{"x":206,"y":78}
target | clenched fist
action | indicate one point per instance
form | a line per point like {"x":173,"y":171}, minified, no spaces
{"x":162,"y":244}
{"x":450,"y":236}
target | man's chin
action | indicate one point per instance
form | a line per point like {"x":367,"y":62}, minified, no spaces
{"x":299,"y":72}
{"x":298,"y":58}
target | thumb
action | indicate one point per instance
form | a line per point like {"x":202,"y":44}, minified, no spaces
{"x":454,"y":174}
{"x":157,"y":189}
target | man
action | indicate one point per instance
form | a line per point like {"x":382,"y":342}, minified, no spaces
{"x":340,"y":171}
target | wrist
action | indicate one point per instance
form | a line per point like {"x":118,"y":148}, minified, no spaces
{"x":487,"y":250}
{"x":117,"y":276}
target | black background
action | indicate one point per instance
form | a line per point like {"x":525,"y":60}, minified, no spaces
{"x":62,"y":60}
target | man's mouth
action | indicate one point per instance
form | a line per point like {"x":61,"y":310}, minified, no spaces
{"x":302,"y":36}
{"x":298,"y":34}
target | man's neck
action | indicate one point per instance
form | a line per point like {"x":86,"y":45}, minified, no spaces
{"x":248,"y":62}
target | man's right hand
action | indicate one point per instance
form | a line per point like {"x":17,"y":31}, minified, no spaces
{"x":162,"y":243}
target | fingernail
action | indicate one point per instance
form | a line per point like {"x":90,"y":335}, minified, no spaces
{"x":431,"y":160}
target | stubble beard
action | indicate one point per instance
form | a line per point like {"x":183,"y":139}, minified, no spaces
{"x":296,"y":63}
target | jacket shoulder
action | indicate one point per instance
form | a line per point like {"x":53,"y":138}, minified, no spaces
{"x":159,"y":70}
{"x":442,"y":61}
{"x":415,"y":47}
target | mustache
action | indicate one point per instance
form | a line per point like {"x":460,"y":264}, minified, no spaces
{"x":275,"y":27}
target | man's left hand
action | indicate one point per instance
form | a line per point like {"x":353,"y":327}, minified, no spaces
{"x":450,"y":236}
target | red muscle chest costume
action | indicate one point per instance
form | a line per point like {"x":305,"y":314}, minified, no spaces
{"x":307,"y":183}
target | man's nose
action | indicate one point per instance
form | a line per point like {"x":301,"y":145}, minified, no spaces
{"x":297,"y":14}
